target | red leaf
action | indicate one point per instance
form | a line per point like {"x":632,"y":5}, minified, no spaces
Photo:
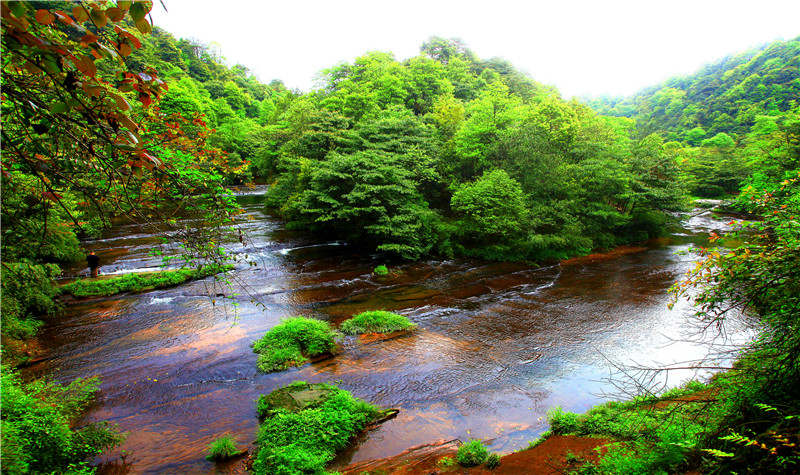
{"x":145,"y":99}
{"x":63,"y":17}
{"x":44,"y":17}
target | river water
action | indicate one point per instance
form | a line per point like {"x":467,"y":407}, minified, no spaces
{"x":497,"y":344}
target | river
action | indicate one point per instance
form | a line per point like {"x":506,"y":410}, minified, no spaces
{"x":497,"y":344}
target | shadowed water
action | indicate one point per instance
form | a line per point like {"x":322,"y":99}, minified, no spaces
{"x":497,"y":344}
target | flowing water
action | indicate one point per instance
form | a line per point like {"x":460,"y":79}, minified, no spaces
{"x":497,"y":344}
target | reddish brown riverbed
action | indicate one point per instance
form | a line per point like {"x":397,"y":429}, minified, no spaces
{"x":497,"y":344}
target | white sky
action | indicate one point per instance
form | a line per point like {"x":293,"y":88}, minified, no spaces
{"x":586,"y":47}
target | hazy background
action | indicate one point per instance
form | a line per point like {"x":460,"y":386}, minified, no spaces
{"x":582,"y":47}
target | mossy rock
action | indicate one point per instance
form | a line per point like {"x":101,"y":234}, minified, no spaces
{"x":300,"y":395}
{"x":294,"y":398}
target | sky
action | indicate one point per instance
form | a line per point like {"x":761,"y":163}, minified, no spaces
{"x":584,"y":48}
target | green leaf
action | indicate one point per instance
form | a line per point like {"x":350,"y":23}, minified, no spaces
{"x":59,"y":108}
{"x":138,"y":11}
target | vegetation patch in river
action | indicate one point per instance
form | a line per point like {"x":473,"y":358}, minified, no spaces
{"x":223,"y":448}
{"x":293,"y":342}
{"x":305,"y":425}
{"x":381,"y":270}
{"x":139,"y":282}
{"x":376,"y":321}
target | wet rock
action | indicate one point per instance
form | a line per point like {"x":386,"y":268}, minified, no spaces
{"x":294,"y":397}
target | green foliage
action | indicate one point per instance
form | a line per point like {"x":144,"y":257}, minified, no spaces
{"x":381,"y":270}
{"x":493,"y":461}
{"x":376,"y":321}
{"x":472,"y":453}
{"x":292,"y":342}
{"x":366,"y":197}
{"x":28,"y":292}
{"x":305,"y":441}
{"x":446,"y":462}
{"x":223,"y":448}
{"x":37,"y":426}
{"x":446,"y":154}
{"x":657,"y":437}
{"x":493,"y":208}
{"x":139,"y":282}
{"x":34,"y":228}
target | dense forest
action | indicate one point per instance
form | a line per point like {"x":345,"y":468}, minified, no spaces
{"x":106,"y":118}
{"x":447,"y":154}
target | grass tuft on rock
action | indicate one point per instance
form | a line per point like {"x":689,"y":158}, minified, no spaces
{"x":493,"y":461}
{"x":472,"y":453}
{"x":381,"y":270}
{"x":293,"y":342}
{"x":306,"y":425}
{"x":139,"y":282}
{"x":223,"y":448}
{"x":376,"y":321}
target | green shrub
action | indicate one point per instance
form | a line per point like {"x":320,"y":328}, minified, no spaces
{"x":292,"y":342}
{"x":381,"y":270}
{"x":493,"y":461}
{"x":306,"y":440}
{"x":376,"y":321}
{"x":472,"y":453}
{"x":446,"y":462}
{"x":223,"y":448}
{"x":139,"y":282}
{"x":37,"y":431}
{"x":27,"y":292}
{"x":562,"y":422}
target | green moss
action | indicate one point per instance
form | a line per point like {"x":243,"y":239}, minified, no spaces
{"x":139,"y":282}
{"x":223,"y":448}
{"x":305,"y":439}
{"x":381,"y":270}
{"x":292,"y":342}
{"x":376,"y":321}
{"x":472,"y":453}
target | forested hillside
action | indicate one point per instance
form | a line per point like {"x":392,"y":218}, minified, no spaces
{"x":241,"y":110}
{"x":732,"y":124}
{"x":724,"y":96}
